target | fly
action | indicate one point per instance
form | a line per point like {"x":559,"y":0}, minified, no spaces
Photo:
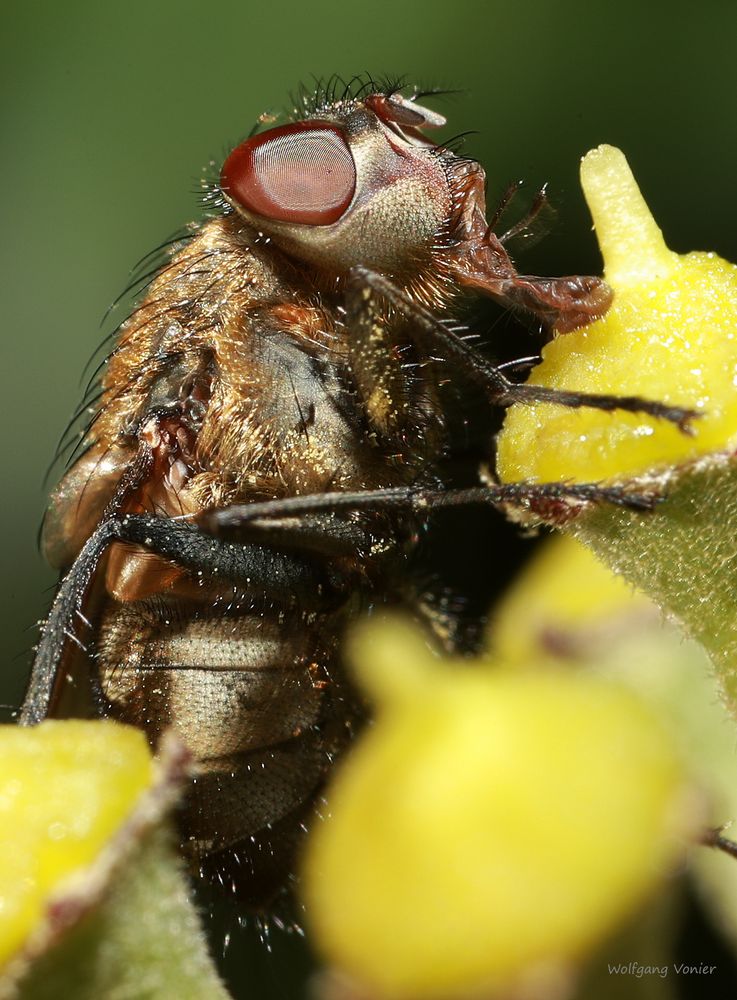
{"x":266,"y":451}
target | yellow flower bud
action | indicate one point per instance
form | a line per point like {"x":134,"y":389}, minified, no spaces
{"x":491,"y":827}
{"x":671,"y":336}
{"x":65,"y":788}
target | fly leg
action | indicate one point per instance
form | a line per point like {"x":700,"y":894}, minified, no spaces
{"x":312,"y":530}
{"x":554,"y":502}
{"x":394,"y":404}
{"x":498,"y":387}
{"x":418,"y":500}
{"x":369,"y":527}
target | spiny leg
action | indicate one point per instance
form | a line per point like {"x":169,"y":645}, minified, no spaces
{"x":396,"y":396}
{"x":375,"y":367}
{"x":499,"y":388}
{"x":418,"y":500}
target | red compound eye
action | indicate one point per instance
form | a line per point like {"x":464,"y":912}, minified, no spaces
{"x":296,"y":173}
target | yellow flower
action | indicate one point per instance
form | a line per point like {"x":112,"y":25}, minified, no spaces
{"x":65,"y":788}
{"x":492,"y":827}
{"x":671,"y":336}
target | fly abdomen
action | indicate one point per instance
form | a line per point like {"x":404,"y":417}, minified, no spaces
{"x":253,"y":690}
{"x":226,"y":682}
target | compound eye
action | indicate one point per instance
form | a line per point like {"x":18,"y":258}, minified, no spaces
{"x":300,"y":173}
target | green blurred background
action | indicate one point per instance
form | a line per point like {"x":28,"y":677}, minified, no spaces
{"x":109,"y":111}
